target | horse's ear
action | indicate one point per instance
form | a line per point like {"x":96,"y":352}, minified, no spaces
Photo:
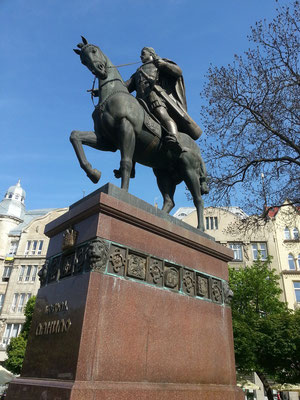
{"x":84,"y":40}
{"x":77,"y":51}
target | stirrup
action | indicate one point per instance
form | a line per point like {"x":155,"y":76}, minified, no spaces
{"x":172,"y":144}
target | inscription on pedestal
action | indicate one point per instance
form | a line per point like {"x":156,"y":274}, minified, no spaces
{"x":60,"y":325}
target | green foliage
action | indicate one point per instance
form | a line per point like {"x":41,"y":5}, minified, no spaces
{"x":256,"y":290}
{"x":17,"y":346}
{"x":266,"y":332}
{"x":16,"y":353}
{"x":28,"y":314}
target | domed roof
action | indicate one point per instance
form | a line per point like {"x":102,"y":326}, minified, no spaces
{"x":13,"y":204}
{"x":16,"y":192}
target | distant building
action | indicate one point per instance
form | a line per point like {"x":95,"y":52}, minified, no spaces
{"x":278,"y":237}
{"x":23,"y":248}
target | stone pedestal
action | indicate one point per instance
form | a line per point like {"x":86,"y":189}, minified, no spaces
{"x":133,"y":306}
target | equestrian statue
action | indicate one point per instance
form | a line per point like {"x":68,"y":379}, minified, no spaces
{"x":153,"y":128}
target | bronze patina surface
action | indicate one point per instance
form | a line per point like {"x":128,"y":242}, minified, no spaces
{"x":119,"y":124}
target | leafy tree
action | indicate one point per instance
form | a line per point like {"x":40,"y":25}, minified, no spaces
{"x":252,"y":117}
{"x":266,"y":333}
{"x":17,"y":346}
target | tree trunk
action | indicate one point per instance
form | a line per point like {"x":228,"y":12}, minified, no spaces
{"x":267,"y":387}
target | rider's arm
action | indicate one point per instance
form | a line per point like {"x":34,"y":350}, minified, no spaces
{"x":168,"y":67}
{"x":130,"y":84}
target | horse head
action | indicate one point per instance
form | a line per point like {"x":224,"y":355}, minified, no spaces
{"x":93,"y":58}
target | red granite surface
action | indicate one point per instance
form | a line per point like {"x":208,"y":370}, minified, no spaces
{"x":130,"y":340}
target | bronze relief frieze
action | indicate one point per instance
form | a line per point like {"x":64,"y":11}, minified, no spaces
{"x":100,"y":255}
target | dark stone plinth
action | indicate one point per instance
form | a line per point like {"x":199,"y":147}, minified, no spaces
{"x":138,"y":314}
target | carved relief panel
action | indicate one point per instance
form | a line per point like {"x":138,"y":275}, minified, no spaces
{"x":136,"y":266}
{"x":117,"y":260}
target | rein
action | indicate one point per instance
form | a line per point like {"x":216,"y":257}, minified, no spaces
{"x":111,"y":66}
{"x":124,"y":65}
{"x":92,"y":97}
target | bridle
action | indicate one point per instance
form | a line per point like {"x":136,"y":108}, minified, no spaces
{"x":111,"y":66}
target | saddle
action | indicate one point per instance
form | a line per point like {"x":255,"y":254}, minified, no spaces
{"x":151,"y":123}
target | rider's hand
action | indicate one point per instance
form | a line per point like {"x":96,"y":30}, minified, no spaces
{"x":94,"y":92}
{"x":159,"y":62}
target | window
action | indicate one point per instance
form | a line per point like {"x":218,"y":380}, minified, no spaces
{"x":13,"y":247}
{"x":11,"y":330}
{"x":1,"y":301}
{"x":287,"y":234}
{"x":259,"y":249}
{"x":15,"y":302}
{"x":237,"y":250}
{"x":22,"y":272}
{"x":27,"y":277}
{"x":34,"y":273}
{"x":6,"y":273}
{"x":28,"y":244}
{"x":216,"y":222}
{"x":211,"y":222}
{"x":40,"y":247}
{"x":291,"y":261}
{"x":21,"y":302}
{"x":28,"y":295}
{"x":34,"y":247}
{"x":297,"y":291}
{"x":295,"y":233}
{"x":28,"y":273}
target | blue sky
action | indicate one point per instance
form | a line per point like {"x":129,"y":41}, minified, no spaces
{"x":43,"y":84}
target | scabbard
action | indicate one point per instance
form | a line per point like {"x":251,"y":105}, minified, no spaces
{"x":190,"y":126}
{"x":172,"y":103}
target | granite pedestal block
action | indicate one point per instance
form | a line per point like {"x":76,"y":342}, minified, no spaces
{"x":133,"y":306}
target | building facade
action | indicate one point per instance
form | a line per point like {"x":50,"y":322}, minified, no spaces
{"x":277,"y":236}
{"x":23,"y":248}
{"x":250,"y":238}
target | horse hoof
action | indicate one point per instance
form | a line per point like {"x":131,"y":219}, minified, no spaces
{"x":117,"y":173}
{"x":204,"y":188}
{"x":94,"y":176}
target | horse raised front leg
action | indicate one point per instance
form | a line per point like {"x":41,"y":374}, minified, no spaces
{"x":127,"y":146}
{"x":89,"y":138}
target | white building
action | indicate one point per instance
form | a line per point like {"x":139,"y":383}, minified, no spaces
{"x":23,"y":248}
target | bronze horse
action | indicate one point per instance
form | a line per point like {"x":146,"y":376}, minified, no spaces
{"x":119,"y":124}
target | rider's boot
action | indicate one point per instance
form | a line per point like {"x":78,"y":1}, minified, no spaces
{"x":170,"y":140}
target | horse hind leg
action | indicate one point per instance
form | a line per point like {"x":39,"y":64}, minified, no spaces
{"x":167,"y":188}
{"x":192,"y":180}
{"x":89,"y":138}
